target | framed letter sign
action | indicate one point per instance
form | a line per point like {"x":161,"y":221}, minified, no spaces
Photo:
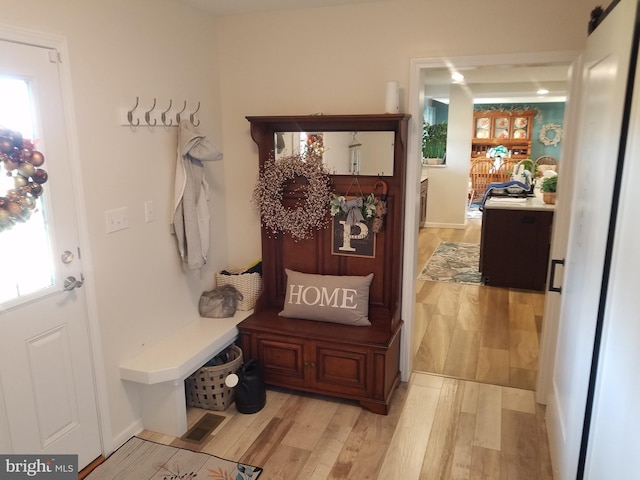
{"x":357,"y":240}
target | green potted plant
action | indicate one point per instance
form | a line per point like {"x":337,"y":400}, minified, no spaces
{"x":548,"y":187}
{"x":434,"y":142}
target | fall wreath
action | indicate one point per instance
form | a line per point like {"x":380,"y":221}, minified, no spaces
{"x":309,"y":213}
{"x":22,"y":162}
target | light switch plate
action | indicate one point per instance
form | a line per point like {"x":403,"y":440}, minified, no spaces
{"x":117,"y":219}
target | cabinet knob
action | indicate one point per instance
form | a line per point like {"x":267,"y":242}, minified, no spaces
{"x":313,"y":365}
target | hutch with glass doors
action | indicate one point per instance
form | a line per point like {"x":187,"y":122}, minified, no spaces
{"x":511,"y":128}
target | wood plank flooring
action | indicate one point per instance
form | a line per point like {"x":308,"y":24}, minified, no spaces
{"x":438,"y":428}
{"x":487,"y":334}
{"x":463,"y":421}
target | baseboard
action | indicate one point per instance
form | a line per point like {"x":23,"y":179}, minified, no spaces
{"x":555,"y":435}
{"x":134,"y":429}
{"x":457,"y":226}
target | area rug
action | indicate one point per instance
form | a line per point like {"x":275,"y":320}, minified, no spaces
{"x":454,"y":262}
{"x":473,"y":210}
{"x":140,"y":459}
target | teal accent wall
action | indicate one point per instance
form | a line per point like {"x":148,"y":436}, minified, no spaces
{"x":442,"y":111}
{"x":548,"y":113}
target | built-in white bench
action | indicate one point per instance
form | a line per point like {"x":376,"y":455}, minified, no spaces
{"x":160,"y":370}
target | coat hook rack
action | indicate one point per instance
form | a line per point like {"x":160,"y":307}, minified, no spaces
{"x":157,"y":116}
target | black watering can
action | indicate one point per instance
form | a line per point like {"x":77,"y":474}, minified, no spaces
{"x":248,"y":381}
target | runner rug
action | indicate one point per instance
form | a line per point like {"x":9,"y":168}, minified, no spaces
{"x":454,"y":262}
{"x":140,"y":459}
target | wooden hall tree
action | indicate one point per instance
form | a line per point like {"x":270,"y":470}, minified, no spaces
{"x":359,"y":363}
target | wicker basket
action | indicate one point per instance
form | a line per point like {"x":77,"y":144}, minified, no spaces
{"x":248,"y":284}
{"x":206,"y":388}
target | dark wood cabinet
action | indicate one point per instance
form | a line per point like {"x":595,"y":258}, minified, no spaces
{"x":424,"y":187}
{"x":354,"y":362}
{"x":514,"y":248}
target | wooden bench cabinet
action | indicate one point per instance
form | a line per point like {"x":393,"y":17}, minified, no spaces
{"x":360,"y":363}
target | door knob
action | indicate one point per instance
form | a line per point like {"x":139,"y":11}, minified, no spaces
{"x":70,"y":283}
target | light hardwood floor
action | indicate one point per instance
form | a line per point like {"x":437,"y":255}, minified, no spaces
{"x":487,"y":334}
{"x":439,"y":427}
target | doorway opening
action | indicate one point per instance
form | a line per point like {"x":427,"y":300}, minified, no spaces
{"x":448,"y":185}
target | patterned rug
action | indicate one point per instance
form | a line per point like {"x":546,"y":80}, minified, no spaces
{"x":473,"y":210}
{"x":140,"y":459}
{"x":454,"y":262}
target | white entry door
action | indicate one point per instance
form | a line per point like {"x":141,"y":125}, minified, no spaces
{"x":47,"y":389}
{"x":604,"y":78}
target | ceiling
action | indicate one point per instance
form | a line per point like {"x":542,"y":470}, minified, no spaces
{"x":504,"y":84}
{"x":233,"y":7}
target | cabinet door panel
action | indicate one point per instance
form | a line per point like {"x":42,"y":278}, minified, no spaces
{"x":515,"y":248}
{"x":343,"y":370}
{"x":282,"y":360}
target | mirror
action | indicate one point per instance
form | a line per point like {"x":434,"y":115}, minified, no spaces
{"x":344,"y":153}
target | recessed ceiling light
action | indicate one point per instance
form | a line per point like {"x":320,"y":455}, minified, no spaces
{"x":543,"y":91}
{"x":457,"y":77}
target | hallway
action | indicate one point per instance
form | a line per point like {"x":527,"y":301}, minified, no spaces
{"x":486,"y":334}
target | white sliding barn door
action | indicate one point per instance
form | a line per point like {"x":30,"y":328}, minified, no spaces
{"x":613,"y":441}
{"x":604,"y":80}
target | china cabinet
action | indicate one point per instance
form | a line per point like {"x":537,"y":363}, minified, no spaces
{"x":511,"y":128}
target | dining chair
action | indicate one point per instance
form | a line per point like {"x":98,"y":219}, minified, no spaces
{"x":481,"y":174}
{"x":504,"y":170}
{"x":545,"y":162}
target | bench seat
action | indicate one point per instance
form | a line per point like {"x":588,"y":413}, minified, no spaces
{"x":160,"y":370}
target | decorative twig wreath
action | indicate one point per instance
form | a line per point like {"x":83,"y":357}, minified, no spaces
{"x":308,"y":214}
{"x":544,"y":134}
{"x":20,"y":161}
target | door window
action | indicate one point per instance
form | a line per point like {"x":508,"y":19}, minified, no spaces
{"x":26,"y":265}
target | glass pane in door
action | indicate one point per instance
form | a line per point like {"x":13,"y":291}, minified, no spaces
{"x":26,"y":264}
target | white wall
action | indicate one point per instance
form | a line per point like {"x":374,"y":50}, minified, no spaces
{"x":338,"y":60}
{"x":448,"y":186}
{"x":118,"y":50}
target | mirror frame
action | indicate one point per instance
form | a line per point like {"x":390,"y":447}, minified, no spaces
{"x":264,"y":128}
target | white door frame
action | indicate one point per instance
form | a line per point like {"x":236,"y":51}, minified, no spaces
{"x":31,"y":37}
{"x":419,"y":66}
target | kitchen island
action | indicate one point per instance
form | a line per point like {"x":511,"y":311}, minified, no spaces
{"x":515,"y":242}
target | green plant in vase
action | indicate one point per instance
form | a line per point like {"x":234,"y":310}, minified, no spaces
{"x":434,"y":140}
{"x":548,"y":187}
